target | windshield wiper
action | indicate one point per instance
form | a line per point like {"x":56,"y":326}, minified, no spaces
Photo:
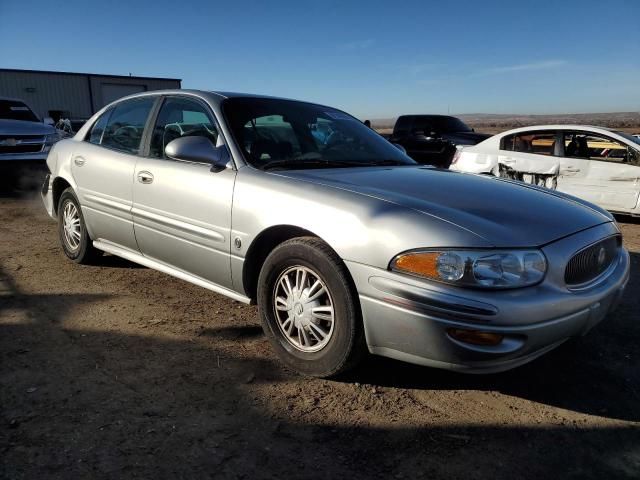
{"x":388,"y":162}
{"x":311,"y":162}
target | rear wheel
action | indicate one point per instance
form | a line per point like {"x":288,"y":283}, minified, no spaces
{"x":309,"y":309}
{"x":74,"y":238}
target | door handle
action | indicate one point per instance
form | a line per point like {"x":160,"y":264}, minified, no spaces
{"x":509,"y":160}
{"x":571,"y":169}
{"x":145,"y":177}
{"x":79,"y":161}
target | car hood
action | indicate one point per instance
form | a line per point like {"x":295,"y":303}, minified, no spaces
{"x":21,"y":127}
{"x":503,"y":213}
{"x":466,"y":138}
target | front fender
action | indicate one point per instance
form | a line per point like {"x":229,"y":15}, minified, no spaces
{"x":360,"y":228}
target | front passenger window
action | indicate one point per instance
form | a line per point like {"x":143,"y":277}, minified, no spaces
{"x":180,"y":117}
{"x":126,"y":125}
{"x":595,"y":147}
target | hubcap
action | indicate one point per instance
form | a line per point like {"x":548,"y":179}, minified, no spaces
{"x":71,"y":226}
{"x":303,"y":309}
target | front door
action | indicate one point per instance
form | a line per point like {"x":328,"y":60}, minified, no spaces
{"x":103,"y":168}
{"x":601,"y":170}
{"x":182,"y":210}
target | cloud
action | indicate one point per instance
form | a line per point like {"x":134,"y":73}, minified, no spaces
{"x":522,"y":67}
{"x":358,"y":44}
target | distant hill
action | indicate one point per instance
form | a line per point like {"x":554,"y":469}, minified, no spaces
{"x":612,"y":120}
{"x":492,"y":122}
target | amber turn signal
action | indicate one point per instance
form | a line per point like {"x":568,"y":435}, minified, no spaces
{"x":475,"y":337}
{"x":424,"y":263}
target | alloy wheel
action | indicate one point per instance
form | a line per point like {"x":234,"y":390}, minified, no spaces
{"x":304,"y":309}
{"x":71,"y":226}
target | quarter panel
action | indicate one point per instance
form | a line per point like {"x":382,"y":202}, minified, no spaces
{"x":476,"y":162}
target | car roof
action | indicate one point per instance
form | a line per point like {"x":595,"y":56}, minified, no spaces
{"x":423,"y":115}
{"x":489,"y":145}
{"x":215,"y":97}
{"x":559,"y":126}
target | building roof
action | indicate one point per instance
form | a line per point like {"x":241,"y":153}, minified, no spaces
{"x":52,"y":72}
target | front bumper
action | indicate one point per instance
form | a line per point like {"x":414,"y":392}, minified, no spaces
{"x":407,"y":319}
{"x":19,"y":158}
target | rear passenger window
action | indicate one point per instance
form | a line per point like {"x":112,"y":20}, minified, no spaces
{"x":180,"y":117}
{"x":95,"y":136}
{"x":126,"y":124}
{"x":540,"y":143}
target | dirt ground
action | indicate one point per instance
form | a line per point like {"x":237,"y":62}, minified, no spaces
{"x":118,"y":371}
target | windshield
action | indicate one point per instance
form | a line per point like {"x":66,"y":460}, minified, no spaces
{"x":631,"y":138}
{"x":440,"y":124}
{"x":275,"y":133}
{"x":15,"y":110}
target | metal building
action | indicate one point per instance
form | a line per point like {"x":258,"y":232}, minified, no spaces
{"x":75,"y":96}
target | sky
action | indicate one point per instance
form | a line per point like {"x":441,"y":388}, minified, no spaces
{"x":374,"y":59}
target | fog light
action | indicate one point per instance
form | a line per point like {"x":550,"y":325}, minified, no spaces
{"x":475,"y":337}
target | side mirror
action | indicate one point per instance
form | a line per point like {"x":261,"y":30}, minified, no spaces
{"x":198,"y":149}
{"x":48,"y":121}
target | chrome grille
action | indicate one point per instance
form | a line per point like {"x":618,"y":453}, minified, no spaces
{"x":21,"y":143}
{"x":593,"y":261}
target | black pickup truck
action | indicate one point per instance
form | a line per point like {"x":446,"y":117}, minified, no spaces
{"x":432,"y":139}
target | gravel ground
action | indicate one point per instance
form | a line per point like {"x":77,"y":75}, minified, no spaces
{"x":118,"y":371}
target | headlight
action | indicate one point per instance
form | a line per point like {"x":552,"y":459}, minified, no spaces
{"x":475,"y":268}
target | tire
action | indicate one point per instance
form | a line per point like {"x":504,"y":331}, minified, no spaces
{"x":76,"y":245}
{"x":303,"y":261}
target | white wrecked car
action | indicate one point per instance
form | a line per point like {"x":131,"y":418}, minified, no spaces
{"x":594,"y":163}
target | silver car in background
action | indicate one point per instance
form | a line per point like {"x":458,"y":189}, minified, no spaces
{"x":344,"y":242}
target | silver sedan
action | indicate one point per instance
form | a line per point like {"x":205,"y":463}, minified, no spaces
{"x":345,"y":244}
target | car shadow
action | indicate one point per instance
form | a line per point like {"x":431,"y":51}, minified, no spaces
{"x":244,"y":332}
{"x":24,"y":183}
{"x":113,"y":261}
{"x":627,"y":219}
{"x":86,"y":403}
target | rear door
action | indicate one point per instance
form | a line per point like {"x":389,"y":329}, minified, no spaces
{"x":600,"y":169}
{"x":103,"y":167}
{"x":182,"y":210}
{"x":531,"y":157}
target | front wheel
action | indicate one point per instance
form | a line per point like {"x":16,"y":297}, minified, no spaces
{"x":309,"y":308}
